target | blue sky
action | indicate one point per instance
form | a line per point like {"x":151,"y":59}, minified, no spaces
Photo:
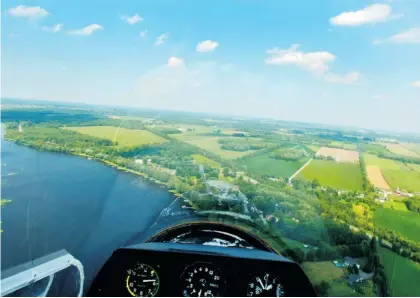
{"x":349,"y":62}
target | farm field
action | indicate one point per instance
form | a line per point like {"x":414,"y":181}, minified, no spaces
{"x":337,"y":175}
{"x":376,"y":178}
{"x":264,"y":165}
{"x":415,"y":147}
{"x":343,"y":145}
{"x":414,"y":167}
{"x":340,"y":155}
{"x":202,"y":160}
{"x":373,"y":148}
{"x":406,"y":223}
{"x":212,"y":145}
{"x":336,"y":277}
{"x":400,"y":150}
{"x":395,"y":205}
{"x":314,"y":148}
{"x":382,"y":163}
{"x":188,"y":129}
{"x":402,"y":274}
{"x":404,"y":179}
{"x":125,"y":137}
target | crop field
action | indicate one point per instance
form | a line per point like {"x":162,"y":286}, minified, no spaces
{"x":343,"y":145}
{"x":406,"y":223}
{"x":187,"y":129}
{"x":125,"y":137}
{"x":314,"y":148}
{"x":382,"y":163}
{"x":400,"y":150}
{"x":395,"y":205}
{"x":202,"y":160}
{"x":337,"y":175}
{"x":264,"y":165}
{"x":404,"y":179}
{"x":340,"y":155}
{"x":376,"y":178}
{"x":415,"y":147}
{"x":212,"y":145}
{"x":414,"y":167}
{"x":373,"y":148}
{"x":402,"y":274}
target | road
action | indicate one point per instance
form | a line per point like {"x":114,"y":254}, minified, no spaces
{"x":298,"y":171}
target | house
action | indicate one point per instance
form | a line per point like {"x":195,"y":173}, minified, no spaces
{"x":139,"y":161}
{"x":381,"y":200}
{"x":354,"y":278}
{"x":348,"y":261}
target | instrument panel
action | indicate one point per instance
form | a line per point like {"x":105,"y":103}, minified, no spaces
{"x":169,"y":269}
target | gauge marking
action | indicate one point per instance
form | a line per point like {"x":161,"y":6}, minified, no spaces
{"x":142,"y":281}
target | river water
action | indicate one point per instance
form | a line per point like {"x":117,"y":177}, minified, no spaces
{"x":68,"y":202}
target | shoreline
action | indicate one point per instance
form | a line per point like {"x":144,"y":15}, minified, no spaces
{"x":109,"y":163}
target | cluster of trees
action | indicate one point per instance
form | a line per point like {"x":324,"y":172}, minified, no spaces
{"x":290,"y":154}
{"x":404,"y":159}
{"x":413,"y":204}
{"x":241,"y":147}
{"x":367,"y":186}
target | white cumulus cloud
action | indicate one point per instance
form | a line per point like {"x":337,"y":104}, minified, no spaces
{"x":410,"y":36}
{"x":88,"y":30}
{"x":416,"y":84}
{"x":207,"y":46}
{"x":375,"y":13}
{"x":132,"y":20}
{"x":317,"y":62}
{"x":54,"y":29}
{"x":27,"y":11}
{"x":175,"y":62}
{"x":160,"y":40}
{"x":143,"y":33}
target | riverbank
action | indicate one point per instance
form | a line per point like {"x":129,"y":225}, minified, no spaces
{"x":107,"y":162}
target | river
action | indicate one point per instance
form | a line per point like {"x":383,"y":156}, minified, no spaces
{"x":68,"y":202}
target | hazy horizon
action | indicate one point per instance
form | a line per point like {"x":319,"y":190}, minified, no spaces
{"x":347,"y":63}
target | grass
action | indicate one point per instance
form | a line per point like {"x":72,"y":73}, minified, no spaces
{"x":314,"y":148}
{"x":125,"y":137}
{"x":403,"y":275}
{"x":212,"y":145}
{"x":382,"y":163}
{"x":373,"y":148}
{"x":400,"y":150}
{"x":336,"y":175}
{"x":202,"y":160}
{"x":404,"y":179}
{"x":396,"y":174}
{"x":395,"y":205}
{"x":336,"y":277}
{"x":264,"y":165}
{"x":406,"y":223}
{"x":190,"y":129}
{"x":348,"y":146}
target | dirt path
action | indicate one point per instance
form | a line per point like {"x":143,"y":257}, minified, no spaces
{"x":298,"y":171}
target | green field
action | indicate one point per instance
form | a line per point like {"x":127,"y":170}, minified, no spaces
{"x":188,"y":129}
{"x":404,"y":179}
{"x":382,"y":163}
{"x":403,"y":275}
{"x":336,"y":278}
{"x":396,"y":174}
{"x":406,"y":223}
{"x":125,"y":137}
{"x":264,"y":165}
{"x":336,"y":175}
{"x":373,"y":148}
{"x":342,"y":145}
{"x":395,"y":205}
{"x":211,"y":144}
{"x":314,"y":148}
{"x":202,"y":160}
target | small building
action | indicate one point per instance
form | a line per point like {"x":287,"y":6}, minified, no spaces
{"x":139,"y":161}
{"x":354,"y":278}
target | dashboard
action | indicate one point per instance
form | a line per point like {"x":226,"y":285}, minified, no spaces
{"x":173,"y":269}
